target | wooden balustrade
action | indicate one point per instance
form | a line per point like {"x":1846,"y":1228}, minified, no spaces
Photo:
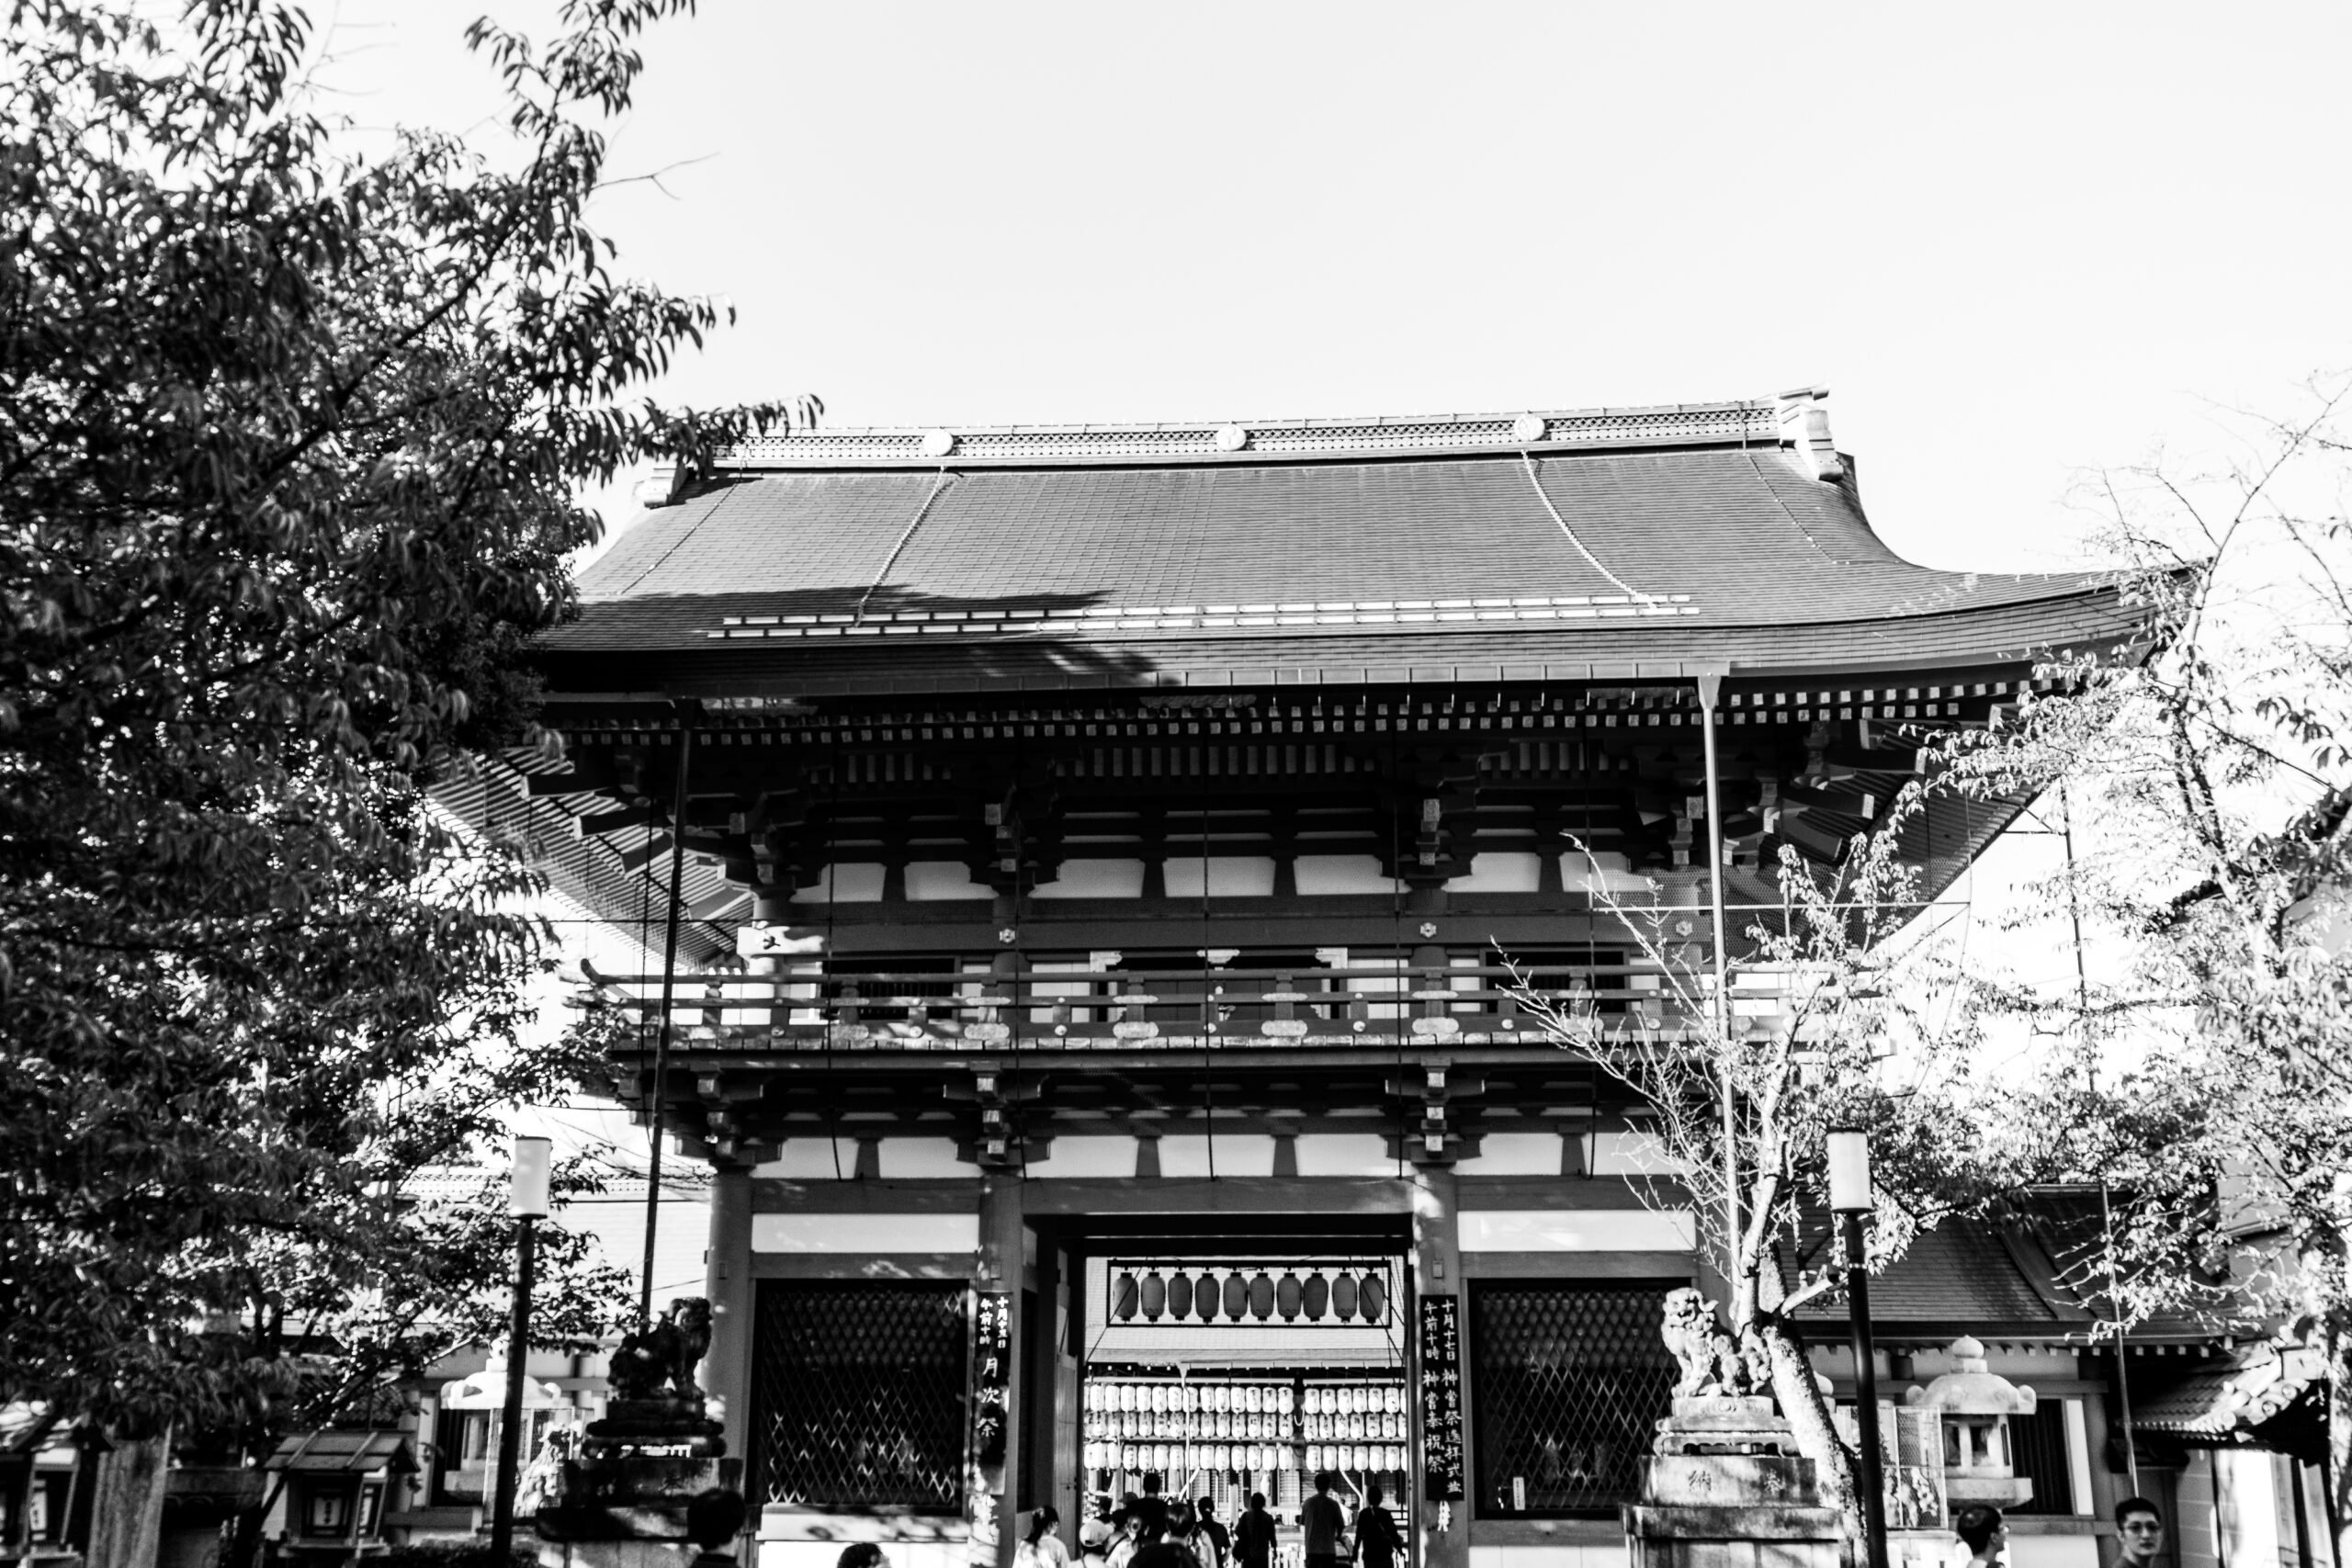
{"x":1257,"y":1008}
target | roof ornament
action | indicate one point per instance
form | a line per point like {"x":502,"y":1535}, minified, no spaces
{"x":1529,"y":427}
{"x":1231,"y":438}
{"x":938,"y":442}
{"x":1805,"y":430}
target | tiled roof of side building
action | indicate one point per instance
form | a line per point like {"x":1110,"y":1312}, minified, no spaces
{"x":1614,"y":526}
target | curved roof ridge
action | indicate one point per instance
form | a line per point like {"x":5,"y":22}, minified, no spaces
{"x":1791,"y":419}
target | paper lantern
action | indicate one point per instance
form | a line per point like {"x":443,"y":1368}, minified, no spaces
{"x":1123,"y":1298}
{"x":1155,"y":1295}
{"x":1315,"y":1300}
{"x":1261,"y":1295}
{"x":1236,"y":1294}
{"x":1373,"y":1299}
{"x":1204,"y":1295}
{"x":1344,"y":1297}
{"x":1288,"y":1294}
{"x":1180,"y":1295}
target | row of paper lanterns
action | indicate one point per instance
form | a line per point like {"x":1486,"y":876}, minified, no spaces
{"x":1239,"y":1296}
{"x":1253,"y":1457}
{"x":1104,"y":1394}
{"x":1184,"y":1424}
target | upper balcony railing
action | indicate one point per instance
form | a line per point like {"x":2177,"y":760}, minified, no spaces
{"x":1075,"y":1007}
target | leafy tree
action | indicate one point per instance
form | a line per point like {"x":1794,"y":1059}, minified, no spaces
{"x":289,"y":443}
{"x":1875,"y":1027}
{"x":2202,"y":1063}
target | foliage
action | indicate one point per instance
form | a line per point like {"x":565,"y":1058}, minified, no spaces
{"x":2204,"y":1064}
{"x":289,"y":439}
{"x":1876,"y":1029}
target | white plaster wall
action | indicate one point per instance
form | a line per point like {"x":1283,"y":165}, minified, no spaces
{"x":1576,"y":1230}
{"x":1229,"y":877}
{"x":857,"y":882}
{"x":906,"y":1159}
{"x":931,"y":881}
{"x":1514,"y":1153}
{"x":2052,"y":1551}
{"x":1345,"y":1154}
{"x":1105,"y":1156}
{"x":1513,"y":871}
{"x":1095,"y":879}
{"x":1323,"y":875}
{"x":1238,"y":1153}
{"x":812,"y":1159}
{"x":865,"y":1233}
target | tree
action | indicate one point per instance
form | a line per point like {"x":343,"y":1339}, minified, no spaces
{"x":2206,"y":1068}
{"x":1875,"y":1028}
{"x":289,"y":443}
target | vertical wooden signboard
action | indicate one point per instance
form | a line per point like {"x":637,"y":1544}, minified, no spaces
{"x":1442,"y":1460}
{"x":991,"y":1372}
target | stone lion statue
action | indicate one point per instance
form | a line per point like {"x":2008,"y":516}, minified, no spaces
{"x":659,"y":1362}
{"x":1712,"y":1361}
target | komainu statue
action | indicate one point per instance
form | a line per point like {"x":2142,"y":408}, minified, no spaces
{"x":659,"y":1362}
{"x":1713,"y":1361}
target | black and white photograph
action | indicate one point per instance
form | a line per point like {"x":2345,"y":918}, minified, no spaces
{"x":1030,"y":785}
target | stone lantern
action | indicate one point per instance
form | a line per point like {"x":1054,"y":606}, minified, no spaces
{"x":1972,"y":1406}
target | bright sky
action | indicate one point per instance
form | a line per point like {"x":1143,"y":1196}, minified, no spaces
{"x":2014,"y":240}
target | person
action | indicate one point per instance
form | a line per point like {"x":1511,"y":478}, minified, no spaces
{"x":1212,"y":1540}
{"x":1378,"y":1541}
{"x":1172,"y":1546}
{"x":1152,"y":1507}
{"x":1042,"y":1547}
{"x":1982,"y":1529}
{"x":2140,"y":1528}
{"x":1130,"y":1541}
{"x":863,"y":1554}
{"x":1325,"y":1527}
{"x":1253,"y":1535}
{"x":1095,"y":1534}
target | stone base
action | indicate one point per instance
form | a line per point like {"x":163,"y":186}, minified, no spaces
{"x":1735,"y":1536}
{"x":639,"y":1501}
{"x":1713,"y":1482}
{"x":668,"y":1422}
{"x":1724,"y":1424}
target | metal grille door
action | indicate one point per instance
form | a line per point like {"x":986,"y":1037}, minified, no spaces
{"x":858,"y":1396}
{"x":1568,"y":1384}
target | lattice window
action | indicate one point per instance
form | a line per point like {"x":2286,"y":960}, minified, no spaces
{"x":858,"y":1396}
{"x":1568,"y":1384}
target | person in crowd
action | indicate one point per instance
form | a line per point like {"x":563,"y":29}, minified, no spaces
{"x":863,"y":1554}
{"x":1095,"y":1534}
{"x":1153,"y":1507}
{"x":1983,"y":1530}
{"x":1378,"y":1541}
{"x":1324,"y":1524}
{"x":1130,"y":1540}
{"x":1042,"y":1547}
{"x":1173,"y":1549}
{"x":1254,"y":1534}
{"x":1212,"y":1541}
{"x":2139,"y":1528}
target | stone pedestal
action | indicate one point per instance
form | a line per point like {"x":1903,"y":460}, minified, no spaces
{"x":637,"y":1510}
{"x":1727,"y":1489}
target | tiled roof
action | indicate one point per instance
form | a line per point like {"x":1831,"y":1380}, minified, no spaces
{"x":1961,"y":1275}
{"x":1668,"y":542}
{"x":2232,"y":1395}
{"x":343,"y":1452}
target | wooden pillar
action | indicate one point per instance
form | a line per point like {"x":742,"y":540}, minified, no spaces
{"x":1437,"y":1268}
{"x":727,"y":1367}
{"x":999,"y":1267}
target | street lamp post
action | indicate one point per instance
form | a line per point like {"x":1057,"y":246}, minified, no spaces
{"x":1850,"y":1196}
{"x":527,"y":1201}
